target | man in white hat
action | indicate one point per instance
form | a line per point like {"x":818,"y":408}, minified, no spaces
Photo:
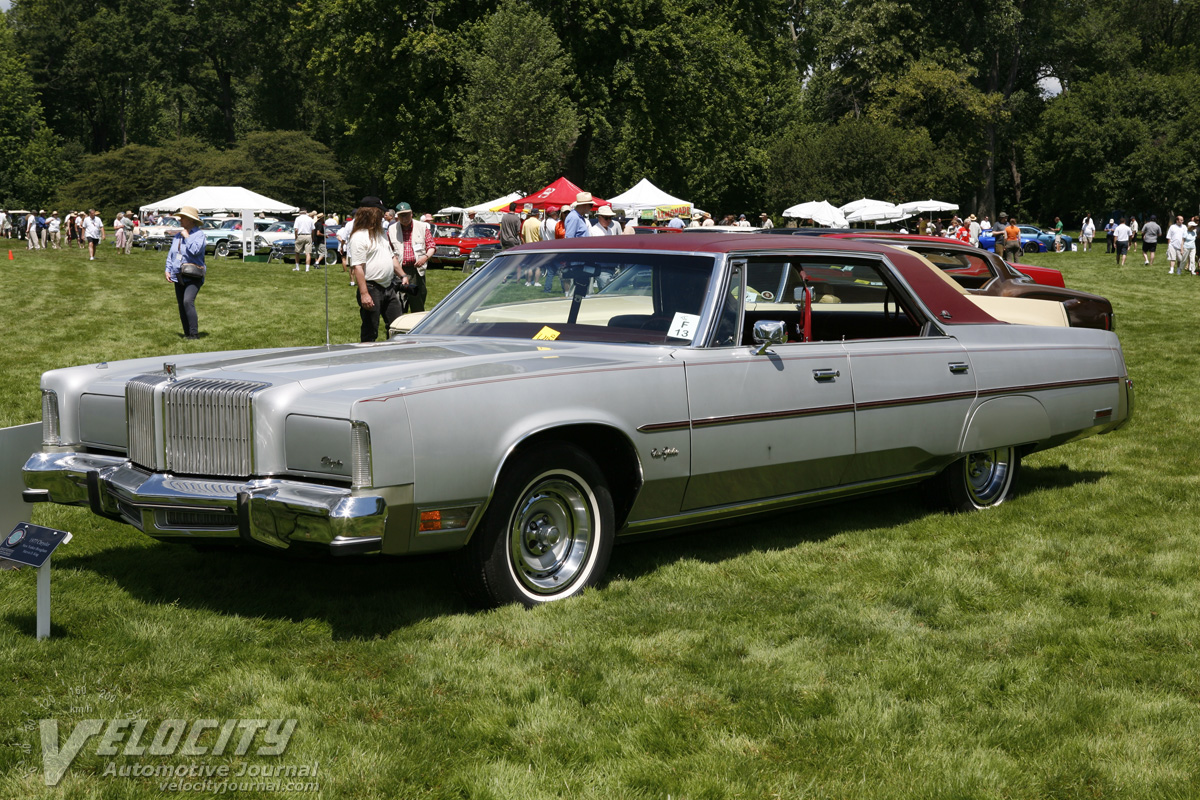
{"x":576,"y":223}
{"x":766,"y":223}
{"x":696,"y":217}
{"x":605,"y":223}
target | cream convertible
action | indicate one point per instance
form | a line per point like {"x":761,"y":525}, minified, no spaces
{"x":665,"y":381}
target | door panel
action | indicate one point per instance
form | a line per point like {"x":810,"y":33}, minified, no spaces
{"x":768,"y":425}
{"x":912,"y":397}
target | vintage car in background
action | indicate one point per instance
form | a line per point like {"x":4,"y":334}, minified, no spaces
{"x":266,"y":238}
{"x":226,"y":238}
{"x":1043,"y":275}
{"x":446,"y":248}
{"x":457,"y":252}
{"x":158,"y":235}
{"x":284,"y":247}
{"x":1033,"y":240}
{"x":983,"y":272}
{"x":712,"y":378}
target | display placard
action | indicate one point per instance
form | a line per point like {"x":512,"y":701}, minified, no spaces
{"x":30,"y":544}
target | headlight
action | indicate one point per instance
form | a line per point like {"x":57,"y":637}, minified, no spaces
{"x":360,"y":454}
{"x":50,"y":424}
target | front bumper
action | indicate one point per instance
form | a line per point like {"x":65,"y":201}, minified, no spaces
{"x":272,"y":512}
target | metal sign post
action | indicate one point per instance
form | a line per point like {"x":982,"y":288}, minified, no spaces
{"x":31,"y":545}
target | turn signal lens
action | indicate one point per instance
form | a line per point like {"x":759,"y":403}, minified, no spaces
{"x":360,"y":454}
{"x":50,"y":426}
{"x":445,"y":519}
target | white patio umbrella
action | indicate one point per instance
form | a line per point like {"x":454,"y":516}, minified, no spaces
{"x":820,"y":212}
{"x":857,"y":204}
{"x":879,"y":212}
{"x":928,"y":207}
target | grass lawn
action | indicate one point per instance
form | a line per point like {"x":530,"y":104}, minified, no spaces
{"x":1045,"y":649}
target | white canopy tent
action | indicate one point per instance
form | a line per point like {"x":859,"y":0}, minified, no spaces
{"x":645,"y":196}
{"x":491,"y":211}
{"x":819,"y":211}
{"x":211,"y":199}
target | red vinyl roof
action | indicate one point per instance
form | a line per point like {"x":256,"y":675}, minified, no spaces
{"x":938,"y":295}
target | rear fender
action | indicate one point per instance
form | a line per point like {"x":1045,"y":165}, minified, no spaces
{"x":1005,"y":421}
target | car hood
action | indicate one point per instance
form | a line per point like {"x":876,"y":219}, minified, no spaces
{"x":357,"y":372}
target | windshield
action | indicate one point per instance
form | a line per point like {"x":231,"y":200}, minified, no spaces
{"x":611,"y":296}
{"x":447,"y":231}
{"x":279,"y":227}
{"x":478,"y":231}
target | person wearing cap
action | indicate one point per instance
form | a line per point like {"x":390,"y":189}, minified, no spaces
{"x":303,"y":229}
{"x":1189,"y":247}
{"x":766,"y":223}
{"x":54,"y":227}
{"x":412,"y":246}
{"x":605,"y":223}
{"x":576,"y":224}
{"x":375,"y":269}
{"x":1109,"y":238}
{"x":185,"y":267}
{"x":999,"y":235}
{"x":531,"y":231}
{"x":93,"y":231}
{"x":973,"y":231}
{"x":549,"y":224}
{"x":743,"y":222}
{"x":1087,"y":230}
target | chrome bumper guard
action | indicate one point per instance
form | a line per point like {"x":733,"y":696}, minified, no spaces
{"x":272,"y":512}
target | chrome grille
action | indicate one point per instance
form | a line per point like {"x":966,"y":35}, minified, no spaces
{"x":208,"y":426}
{"x":139,"y":413}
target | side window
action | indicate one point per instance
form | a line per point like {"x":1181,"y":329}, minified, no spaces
{"x":968,"y":270}
{"x":852,"y":299}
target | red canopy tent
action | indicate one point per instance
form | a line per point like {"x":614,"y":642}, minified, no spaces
{"x":558,"y":194}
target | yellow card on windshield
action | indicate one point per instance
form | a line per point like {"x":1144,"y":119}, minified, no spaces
{"x":547,"y":334}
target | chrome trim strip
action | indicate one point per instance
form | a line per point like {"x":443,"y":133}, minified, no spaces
{"x":726,"y":512}
{"x":763,"y":416}
{"x":1035,"y":387}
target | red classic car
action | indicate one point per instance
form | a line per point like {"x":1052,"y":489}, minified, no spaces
{"x":453,"y":245}
{"x":1043,"y":275}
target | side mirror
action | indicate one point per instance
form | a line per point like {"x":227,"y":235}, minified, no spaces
{"x":768,"y":332}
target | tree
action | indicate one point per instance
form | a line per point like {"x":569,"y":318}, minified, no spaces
{"x":20,"y":118}
{"x":855,"y":158}
{"x":513,"y":114}
{"x":289,"y":166}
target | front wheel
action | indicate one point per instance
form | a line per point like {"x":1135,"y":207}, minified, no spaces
{"x":222,"y":249}
{"x":978,"y":480}
{"x":547,"y":534}
{"x":1031,"y":247}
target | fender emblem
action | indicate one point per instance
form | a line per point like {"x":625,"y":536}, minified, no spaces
{"x":665,"y":453}
{"x":328,"y":462}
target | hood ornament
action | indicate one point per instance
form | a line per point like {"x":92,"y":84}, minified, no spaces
{"x":170,"y":370}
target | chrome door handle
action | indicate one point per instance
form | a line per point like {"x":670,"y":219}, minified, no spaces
{"x":826,"y":374}
{"x":959,"y":368}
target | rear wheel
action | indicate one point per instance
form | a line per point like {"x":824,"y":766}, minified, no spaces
{"x":547,"y":534}
{"x":978,"y":480}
